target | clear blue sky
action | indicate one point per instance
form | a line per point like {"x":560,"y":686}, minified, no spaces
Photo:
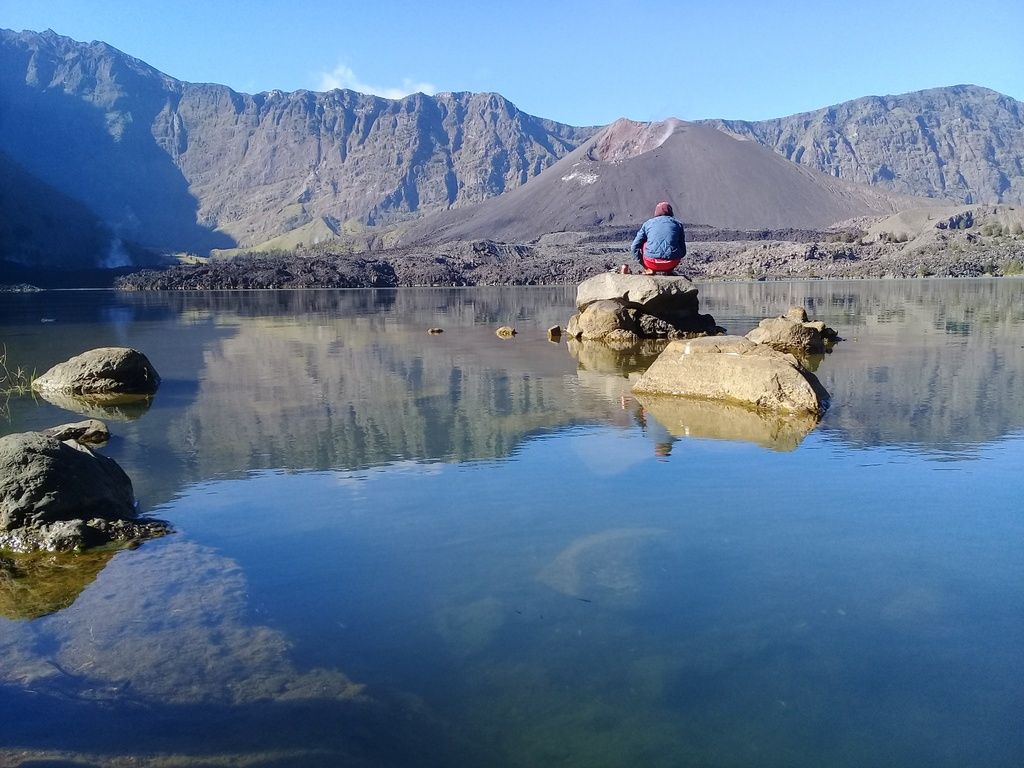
{"x":583,"y":63}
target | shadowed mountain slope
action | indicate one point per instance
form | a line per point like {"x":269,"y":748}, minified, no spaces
{"x":43,"y":227}
{"x":963,"y":142}
{"x":616,"y":177}
{"x":182,"y":166}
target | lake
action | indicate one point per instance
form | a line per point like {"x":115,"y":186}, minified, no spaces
{"x":401,"y":549}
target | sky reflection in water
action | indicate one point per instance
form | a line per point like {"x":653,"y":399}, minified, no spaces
{"x":385,"y":543}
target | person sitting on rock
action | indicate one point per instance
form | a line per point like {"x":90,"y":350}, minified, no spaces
{"x":660,"y":243}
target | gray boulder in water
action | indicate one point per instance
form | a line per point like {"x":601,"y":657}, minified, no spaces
{"x":59,"y":496}
{"x":102,"y":372}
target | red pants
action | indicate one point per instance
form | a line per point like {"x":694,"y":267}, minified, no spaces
{"x":660,"y":265}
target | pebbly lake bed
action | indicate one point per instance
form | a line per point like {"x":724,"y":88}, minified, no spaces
{"x":401,"y":549}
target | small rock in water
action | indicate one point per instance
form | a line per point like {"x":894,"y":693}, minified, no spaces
{"x":92,"y":431}
{"x":435,"y":331}
{"x":554,"y":333}
{"x":506,"y":332}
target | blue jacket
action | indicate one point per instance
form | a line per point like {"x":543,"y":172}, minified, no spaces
{"x":664,"y":237}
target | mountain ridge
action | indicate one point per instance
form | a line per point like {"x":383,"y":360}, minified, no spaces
{"x":961,"y":142}
{"x":178,"y":166}
{"x":616,"y":177}
{"x":185,"y":166}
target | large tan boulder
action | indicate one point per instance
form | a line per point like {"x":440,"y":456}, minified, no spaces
{"x":655,"y":294}
{"x":623,"y":309}
{"x":734,"y":369}
{"x":101,"y":372}
{"x":787,"y":335}
{"x":601,"y":319}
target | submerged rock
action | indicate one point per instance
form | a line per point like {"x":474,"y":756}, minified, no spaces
{"x":734,"y":369}
{"x":101,"y":372}
{"x":687,"y":417}
{"x":61,"y":496}
{"x":609,"y":566}
{"x":506,"y":332}
{"x":109,"y":407}
{"x":40,"y":583}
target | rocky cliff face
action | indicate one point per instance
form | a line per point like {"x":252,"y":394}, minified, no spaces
{"x":964,"y":143}
{"x":177,"y":165}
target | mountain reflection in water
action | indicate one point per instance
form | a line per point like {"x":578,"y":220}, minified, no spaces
{"x":395,"y":548}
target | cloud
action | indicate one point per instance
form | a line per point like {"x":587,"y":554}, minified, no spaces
{"x":342,"y":76}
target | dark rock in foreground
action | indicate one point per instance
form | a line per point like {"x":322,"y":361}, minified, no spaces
{"x":101,"y":372}
{"x":60,"y":496}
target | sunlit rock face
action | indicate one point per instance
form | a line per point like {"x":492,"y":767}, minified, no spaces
{"x":962,"y":143}
{"x":734,"y":369}
{"x":623,"y":309}
{"x":794,"y":333}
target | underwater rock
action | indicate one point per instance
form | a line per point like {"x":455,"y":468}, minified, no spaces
{"x":108,"y":407}
{"x":40,"y":583}
{"x":609,"y":565}
{"x":687,"y":417}
{"x":506,"y":332}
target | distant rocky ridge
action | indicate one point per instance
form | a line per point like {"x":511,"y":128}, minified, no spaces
{"x":908,"y":245}
{"x":615,"y":178}
{"x":109,"y":156}
{"x":963,"y":143}
{"x":183,"y":166}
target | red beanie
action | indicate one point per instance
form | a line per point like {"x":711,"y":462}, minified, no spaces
{"x":663,"y":209}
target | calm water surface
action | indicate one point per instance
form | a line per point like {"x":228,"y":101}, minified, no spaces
{"x":396,"y":549}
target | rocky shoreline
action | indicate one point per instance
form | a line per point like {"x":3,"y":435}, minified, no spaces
{"x":552,"y":263}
